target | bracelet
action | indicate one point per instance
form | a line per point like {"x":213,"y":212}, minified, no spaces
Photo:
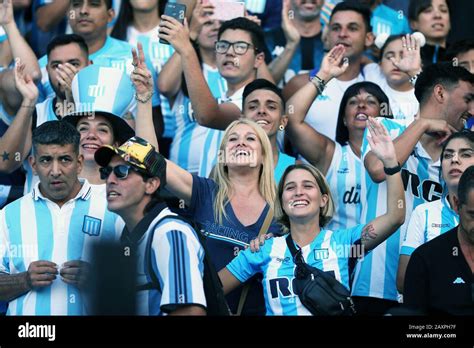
{"x":394,"y":170}
{"x":318,"y":83}
{"x":143,"y":100}
{"x":28,"y":106}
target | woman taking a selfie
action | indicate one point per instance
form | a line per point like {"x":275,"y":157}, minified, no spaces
{"x":304,"y":206}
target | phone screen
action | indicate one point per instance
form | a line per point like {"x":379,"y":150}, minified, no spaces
{"x":227,"y":10}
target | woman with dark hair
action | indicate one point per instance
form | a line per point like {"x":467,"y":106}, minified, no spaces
{"x":304,"y":206}
{"x":340,"y":160}
{"x":432,"y":19}
{"x":138,"y":21}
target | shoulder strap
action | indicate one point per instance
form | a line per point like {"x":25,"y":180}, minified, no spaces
{"x":291,"y":245}
{"x":246,"y":288}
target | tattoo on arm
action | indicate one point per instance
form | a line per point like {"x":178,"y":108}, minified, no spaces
{"x":368,"y":233}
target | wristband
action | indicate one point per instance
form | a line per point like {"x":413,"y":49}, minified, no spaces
{"x":318,"y":83}
{"x":393,"y":170}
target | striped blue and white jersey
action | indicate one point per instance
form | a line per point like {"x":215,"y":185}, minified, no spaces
{"x":114,"y":54}
{"x":3,"y":35}
{"x":428,"y":221}
{"x":214,"y":137}
{"x":188,"y":143}
{"x":177,"y":260}
{"x":376,"y":274}
{"x":330,"y":251}
{"x":44,"y":113}
{"x":343,"y":177}
{"x":34,"y":228}
{"x":156,"y":55}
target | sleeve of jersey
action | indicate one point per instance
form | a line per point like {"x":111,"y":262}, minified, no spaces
{"x":4,"y":254}
{"x":201,"y":196}
{"x":415,"y":232}
{"x":247,"y":263}
{"x":178,"y":261}
{"x":415,"y":294}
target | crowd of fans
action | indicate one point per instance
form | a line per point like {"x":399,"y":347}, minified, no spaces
{"x":344,"y":124}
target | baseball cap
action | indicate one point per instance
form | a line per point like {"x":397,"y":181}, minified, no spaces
{"x":138,"y":153}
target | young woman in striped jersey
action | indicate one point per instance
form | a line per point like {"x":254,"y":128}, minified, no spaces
{"x":304,"y":206}
{"x":429,"y":220}
{"x":338,"y":160}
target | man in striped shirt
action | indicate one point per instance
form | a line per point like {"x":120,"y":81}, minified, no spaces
{"x":168,"y":249}
{"x":45,"y":236}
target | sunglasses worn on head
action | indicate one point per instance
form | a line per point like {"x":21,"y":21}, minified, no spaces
{"x":121,"y":171}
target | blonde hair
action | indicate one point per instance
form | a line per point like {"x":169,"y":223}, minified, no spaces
{"x":325,"y":214}
{"x":266,"y":182}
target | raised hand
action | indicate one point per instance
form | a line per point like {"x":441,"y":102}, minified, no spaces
{"x":411,"y":61}
{"x":381,"y":144}
{"x":24,"y":83}
{"x":65,"y":75}
{"x":201,"y":14}
{"x":141,"y":76}
{"x":439,"y":129}
{"x":175,"y":33}
{"x":6,"y":12}
{"x":292,"y":34}
{"x":334,"y":63}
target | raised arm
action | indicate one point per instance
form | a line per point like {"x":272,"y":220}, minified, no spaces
{"x":169,"y":79}
{"x":207,"y":111}
{"x":17,"y":138}
{"x":406,"y":142}
{"x":19,"y":47}
{"x":142,"y":80}
{"x":50,"y":15}
{"x":312,"y":145}
{"x":279,"y":65}
{"x":382,"y":227}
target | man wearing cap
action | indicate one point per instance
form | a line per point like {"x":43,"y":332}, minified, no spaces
{"x":45,"y":236}
{"x":134,"y":174}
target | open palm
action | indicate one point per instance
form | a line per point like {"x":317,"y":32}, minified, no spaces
{"x":25,"y":84}
{"x":381,"y":143}
{"x":411,"y":61}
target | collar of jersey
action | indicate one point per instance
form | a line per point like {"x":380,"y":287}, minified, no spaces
{"x":421,"y":152}
{"x":84,"y":193}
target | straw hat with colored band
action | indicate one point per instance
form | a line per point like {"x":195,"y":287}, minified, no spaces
{"x":103,"y":91}
{"x":137,"y":152}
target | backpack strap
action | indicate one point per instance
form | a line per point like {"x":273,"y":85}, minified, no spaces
{"x":246,"y":288}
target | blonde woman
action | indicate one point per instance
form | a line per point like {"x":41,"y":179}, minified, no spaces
{"x":304,"y":206}
{"x":231,"y":208}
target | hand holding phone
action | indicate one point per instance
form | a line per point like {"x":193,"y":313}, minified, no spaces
{"x":177,"y":11}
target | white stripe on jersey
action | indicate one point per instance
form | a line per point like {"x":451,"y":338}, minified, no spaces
{"x":428,"y":221}
{"x":343,"y":177}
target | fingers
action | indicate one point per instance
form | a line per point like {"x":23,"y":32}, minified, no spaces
{"x":141,"y":55}
{"x":169,"y":22}
{"x":42,"y":263}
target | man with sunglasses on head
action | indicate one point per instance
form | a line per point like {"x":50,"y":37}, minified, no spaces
{"x":46,"y":236}
{"x":135,"y":174}
{"x":238,"y":56}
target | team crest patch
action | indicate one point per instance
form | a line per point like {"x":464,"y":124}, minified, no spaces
{"x":91,"y":225}
{"x":321,"y":254}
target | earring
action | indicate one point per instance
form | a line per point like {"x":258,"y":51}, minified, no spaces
{"x":281,"y":128}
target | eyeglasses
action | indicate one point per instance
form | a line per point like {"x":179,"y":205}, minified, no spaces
{"x":240,"y":47}
{"x":121,"y":171}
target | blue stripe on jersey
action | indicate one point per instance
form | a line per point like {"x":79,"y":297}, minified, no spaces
{"x":45,"y":252}
{"x":13,"y":218}
{"x":154,"y":296}
{"x":426,"y":226}
{"x":75,"y":248}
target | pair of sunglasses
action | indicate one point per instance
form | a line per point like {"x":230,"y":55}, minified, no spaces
{"x":121,"y":171}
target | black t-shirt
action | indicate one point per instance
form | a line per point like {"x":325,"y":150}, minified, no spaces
{"x":438,"y":278}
